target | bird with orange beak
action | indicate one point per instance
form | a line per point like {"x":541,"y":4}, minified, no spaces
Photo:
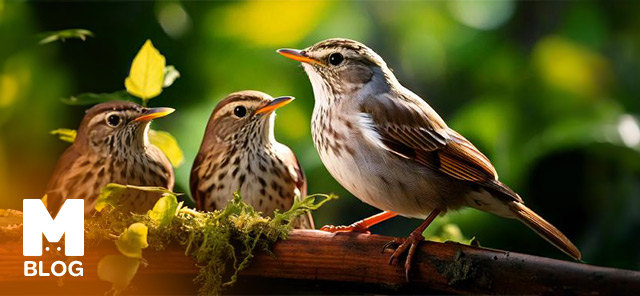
{"x":390,"y":149}
{"x":239,"y":152}
{"x":112,"y":146}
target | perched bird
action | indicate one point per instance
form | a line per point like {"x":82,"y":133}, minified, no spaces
{"x":390,"y":149}
{"x":112,"y":146}
{"x":240,"y":152}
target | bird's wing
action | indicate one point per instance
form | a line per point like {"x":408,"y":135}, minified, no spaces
{"x":305,"y":221}
{"x":410,"y":128}
{"x":54,"y":197}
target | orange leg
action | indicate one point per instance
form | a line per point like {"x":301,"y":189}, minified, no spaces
{"x":362,"y":225}
{"x":411,"y":242}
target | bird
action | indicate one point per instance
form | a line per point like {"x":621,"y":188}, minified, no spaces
{"x":112,"y":146}
{"x":389,"y":148}
{"x":240,"y":153}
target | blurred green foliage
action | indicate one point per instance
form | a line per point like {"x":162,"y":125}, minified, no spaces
{"x":548,"y":90}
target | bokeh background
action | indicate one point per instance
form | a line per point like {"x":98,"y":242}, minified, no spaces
{"x":549,"y":91}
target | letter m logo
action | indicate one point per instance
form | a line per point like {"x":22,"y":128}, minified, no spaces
{"x":37,"y":221}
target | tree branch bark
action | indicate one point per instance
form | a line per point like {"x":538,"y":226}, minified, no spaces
{"x":319,"y":260}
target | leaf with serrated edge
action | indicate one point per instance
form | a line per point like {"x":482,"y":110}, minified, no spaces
{"x":133,"y":240}
{"x":169,"y":145}
{"x":146,"y":76}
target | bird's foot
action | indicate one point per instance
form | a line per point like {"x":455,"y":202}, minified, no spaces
{"x":359,"y":226}
{"x":403,"y":244}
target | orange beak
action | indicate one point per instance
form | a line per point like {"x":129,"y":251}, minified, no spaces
{"x":153,"y":113}
{"x":275,"y":104}
{"x":297,"y":55}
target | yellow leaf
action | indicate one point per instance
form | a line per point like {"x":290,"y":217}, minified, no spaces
{"x":169,"y":145}
{"x":146,"y":76}
{"x":133,"y":240}
{"x":164,"y":210}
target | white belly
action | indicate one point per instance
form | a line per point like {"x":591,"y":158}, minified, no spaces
{"x":383,"y":180}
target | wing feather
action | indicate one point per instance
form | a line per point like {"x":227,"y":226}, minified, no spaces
{"x":419,"y":133}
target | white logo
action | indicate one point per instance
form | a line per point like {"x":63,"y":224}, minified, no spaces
{"x":37,"y":221}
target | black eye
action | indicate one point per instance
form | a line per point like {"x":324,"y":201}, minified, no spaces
{"x":113,"y":120}
{"x":240,"y":111}
{"x":335,"y":59}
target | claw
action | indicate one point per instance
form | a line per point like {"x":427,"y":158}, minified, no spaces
{"x":407,"y":264}
{"x":410,"y":243}
{"x":395,"y":241}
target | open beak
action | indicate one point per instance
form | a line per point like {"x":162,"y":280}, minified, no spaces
{"x":297,"y":55}
{"x":275,"y":104}
{"x":153,"y":113}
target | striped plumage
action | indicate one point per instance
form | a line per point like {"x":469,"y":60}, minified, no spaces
{"x":390,"y":149}
{"x":112,"y":146}
{"x":239,"y":152}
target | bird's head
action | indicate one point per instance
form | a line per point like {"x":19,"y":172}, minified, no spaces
{"x":244,"y":116}
{"x":117,"y":125}
{"x":341,"y":66}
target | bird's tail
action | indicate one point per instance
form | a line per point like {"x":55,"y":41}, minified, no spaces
{"x":544,"y":229}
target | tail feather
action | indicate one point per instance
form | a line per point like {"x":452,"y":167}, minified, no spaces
{"x":544,"y":229}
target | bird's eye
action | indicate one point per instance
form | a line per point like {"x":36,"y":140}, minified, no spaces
{"x":113,"y":120}
{"x":240,"y":111}
{"x":335,"y":59}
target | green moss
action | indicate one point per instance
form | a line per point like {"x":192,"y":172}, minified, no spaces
{"x":222,"y":242}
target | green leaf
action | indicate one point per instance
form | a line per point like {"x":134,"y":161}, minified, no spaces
{"x":118,"y":270}
{"x":63,"y":35}
{"x":301,"y":206}
{"x":111,"y":194}
{"x":146,"y":76}
{"x":93,"y":98}
{"x":164,"y":210}
{"x":169,"y":145}
{"x":65,"y":134}
{"x":170,"y":75}
{"x":133,"y":240}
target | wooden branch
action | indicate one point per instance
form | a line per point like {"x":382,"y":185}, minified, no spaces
{"x":315,"y":261}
